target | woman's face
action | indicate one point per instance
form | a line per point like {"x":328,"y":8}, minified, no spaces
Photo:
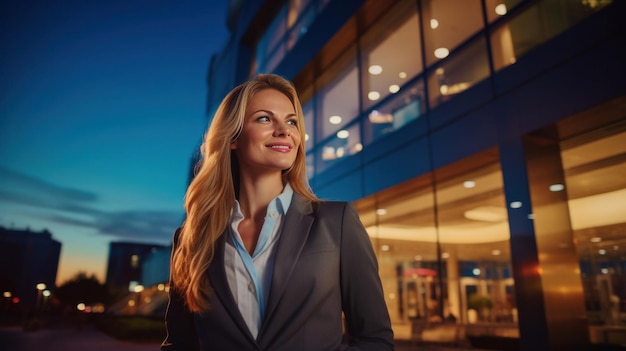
{"x":269,"y":139}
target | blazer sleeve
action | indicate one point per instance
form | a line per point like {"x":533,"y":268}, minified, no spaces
{"x":179,"y":321}
{"x":367,"y":318}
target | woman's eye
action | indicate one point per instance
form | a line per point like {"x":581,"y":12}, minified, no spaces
{"x":263,"y":119}
{"x":293,"y":122}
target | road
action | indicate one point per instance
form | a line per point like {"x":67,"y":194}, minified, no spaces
{"x":90,"y":339}
{"x":66,"y":339}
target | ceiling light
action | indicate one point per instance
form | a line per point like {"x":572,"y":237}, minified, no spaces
{"x":343,"y":134}
{"x":501,"y":9}
{"x":595,"y":239}
{"x":441,"y":53}
{"x":402,"y":75}
{"x":434,"y":23}
{"x":602,"y":252}
{"x":394,"y":88}
{"x":557,"y":187}
{"x":496,"y":252}
{"x":306,"y":137}
{"x":381,"y":212}
{"x":469,"y":184}
{"x":373,"y":95}
{"x":445,"y":255}
{"x":375,"y":69}
{"x":334,"y":119}
{"x":476,"y":271}
{"x":384,"y":247}
{"x":486,"y":214}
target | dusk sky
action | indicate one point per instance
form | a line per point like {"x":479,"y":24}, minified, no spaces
{"x":101,"y":109}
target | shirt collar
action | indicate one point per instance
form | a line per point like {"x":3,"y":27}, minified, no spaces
{"x":279,"y":204}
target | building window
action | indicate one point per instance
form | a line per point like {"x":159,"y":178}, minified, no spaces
{"x":465,"y":68}
{"x":337,"y":105}
{"x":391,"y":53}
{"x":270,"y":49}
{"x":594,"y":164}
{"x":444,"y":251}
{"x":497,"y":9}
{"x":447,"y":23}
{"x":345,"y":142}
{"x":289,"y":25}
{"x":406,"y":105}
{"x":534,"y":26}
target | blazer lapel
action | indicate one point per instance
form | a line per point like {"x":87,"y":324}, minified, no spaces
{"x":221,"y":289}
{"x":294,"y":233}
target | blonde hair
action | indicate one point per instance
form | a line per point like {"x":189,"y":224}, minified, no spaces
{"x":211,"y":194}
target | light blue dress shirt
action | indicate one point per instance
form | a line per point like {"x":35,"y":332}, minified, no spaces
{"x":247,"y":287}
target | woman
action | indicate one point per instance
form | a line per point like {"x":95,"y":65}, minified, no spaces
{"x":260,"y":262}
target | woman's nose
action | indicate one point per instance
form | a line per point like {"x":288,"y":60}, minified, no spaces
{"x":282,"y":129}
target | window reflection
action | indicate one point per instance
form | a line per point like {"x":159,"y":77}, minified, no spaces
{"x":269,"y":50}
{"x":338,"y":97}
{"x":499,"y":8}
{"x":406,"y":106}
{"x":287,"y":27}
{"x":345,"y":142}
{"x":444,"y":253}
{"x":594,"y":165}
{"x":457,"y":74}
{"x":384,"y":84}
{"x":391,"y":54}
{"x":447,"y":23}
{"x":534,"y":26}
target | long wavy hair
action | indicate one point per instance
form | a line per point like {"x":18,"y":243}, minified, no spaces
{"x":211,"y":194}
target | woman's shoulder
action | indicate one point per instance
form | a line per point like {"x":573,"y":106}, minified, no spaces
{"x":334,"y":206}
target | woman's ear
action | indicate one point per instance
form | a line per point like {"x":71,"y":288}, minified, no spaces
{"x":233,"y":145}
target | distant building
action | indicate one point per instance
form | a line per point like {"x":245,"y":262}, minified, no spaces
{"x":27,"y":258}
{"x":125,"y":264}
{"x":156,"y":267}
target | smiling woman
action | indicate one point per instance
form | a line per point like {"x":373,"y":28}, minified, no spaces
{"x":260,"y":262}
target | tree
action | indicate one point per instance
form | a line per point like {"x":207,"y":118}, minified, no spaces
{"x":82,"y":289}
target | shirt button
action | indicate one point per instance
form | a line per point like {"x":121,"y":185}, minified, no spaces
{"x":273,"y":214}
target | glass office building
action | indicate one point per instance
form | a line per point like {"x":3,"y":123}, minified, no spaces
{"x":483,"y":143}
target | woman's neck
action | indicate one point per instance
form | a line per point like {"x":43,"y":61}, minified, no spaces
{"x":255,"y":194}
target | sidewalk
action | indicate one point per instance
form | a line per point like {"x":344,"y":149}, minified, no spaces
{"x":68,"y":339}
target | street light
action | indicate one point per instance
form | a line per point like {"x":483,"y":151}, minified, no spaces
{"x":40,"y":288}
{"x":46,"y":294}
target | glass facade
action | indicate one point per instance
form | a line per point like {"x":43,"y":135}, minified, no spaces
{"x":446,"y":240}
{"x":287,"y":27}
{"x":594,"y":166}
{"x":444,"y":252}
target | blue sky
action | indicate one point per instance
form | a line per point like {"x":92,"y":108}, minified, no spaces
{"x":101,"y":109}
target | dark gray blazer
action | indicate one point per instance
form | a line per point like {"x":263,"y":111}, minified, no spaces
{"x":325,"y":264}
